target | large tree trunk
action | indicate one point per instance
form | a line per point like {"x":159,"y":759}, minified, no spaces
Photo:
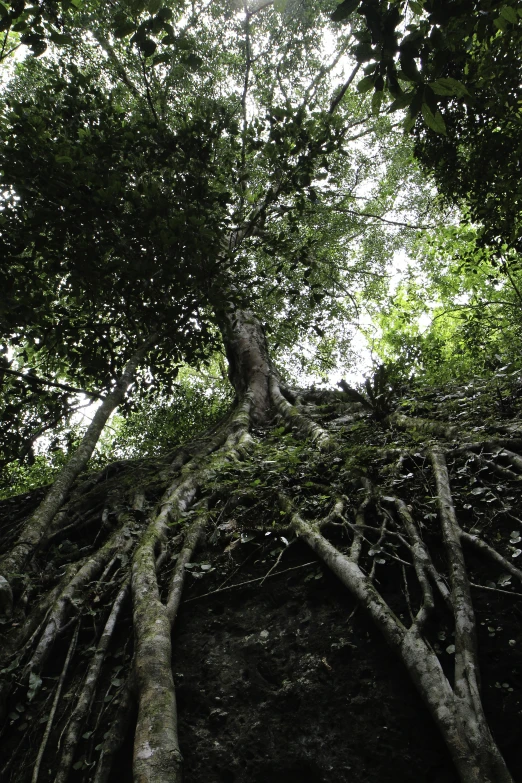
{"x":249,"y":366}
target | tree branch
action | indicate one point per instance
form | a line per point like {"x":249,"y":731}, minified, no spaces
{"x":35,"y":379}
{"x":122,"y":73}
{"x":342,"y":92}
{"x":416,"y":227}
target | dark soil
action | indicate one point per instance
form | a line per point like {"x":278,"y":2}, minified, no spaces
{"x":282,"y":682}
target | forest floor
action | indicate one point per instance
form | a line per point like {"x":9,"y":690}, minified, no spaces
{"x":280,"y":676}
{"x":285,"y":682}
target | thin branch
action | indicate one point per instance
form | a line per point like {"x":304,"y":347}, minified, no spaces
{"x":312,"y":88}
{"x":342,"y":92}
{"x":122,"y":73}
{"x":496,"y":590}
{"x":416,"y":227}
{"x":35,"y":379}
{"x":3,"y":54}
{"x":365,"y":132}
{"x":248,"y":66}
{"x":249,"y":582}
{"x":147,"y":89}
{"x":258,"y":8}
{"x":479,"y":306}
{"x":515,"y":287}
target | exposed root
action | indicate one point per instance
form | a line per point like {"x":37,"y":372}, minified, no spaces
{"x":479,"y":462}
{"x":157,"y":758}
{"x":115,"y":737}
{"x":81,"y":710}
{"x":457,"y":712}
{"x":192,"y":536}
{"x":466,"y":657}
{"x":69,"y":601}
{"x":365,"y":538}
{"x":355,"y":549}
{"x":485,"y":548}
{"x":422,"y":562}
{"x":426,"y":426}
{"x":302,"y":424}
{"x":56,"y":700}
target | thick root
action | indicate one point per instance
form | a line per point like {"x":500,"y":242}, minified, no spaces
{"x":304,"y":426}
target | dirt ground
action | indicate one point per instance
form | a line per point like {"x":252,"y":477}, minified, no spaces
{"x":283,"y":682}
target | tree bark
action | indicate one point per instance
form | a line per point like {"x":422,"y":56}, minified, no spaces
{"x":250,"y":368}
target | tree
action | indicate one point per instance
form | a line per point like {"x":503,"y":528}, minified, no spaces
{"x":458,"y":317}
{"x":456,"y":68}
{"x":173,"y":182}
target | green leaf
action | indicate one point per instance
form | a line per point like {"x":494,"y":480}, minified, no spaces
{"x":509,"y":13}
{"x":363,"y":52}
{"x":449,"y":86}
{"x":409,"y":70}
{"x":63,"y":159}
{"x":365,"y":84}
{"x":165,"y":57}
{"x":409,"y":122}
{"x":165,"y":13}
{"x":344,"y":10}
{"x":60,"y":38}
{"x":154,"y":6}
{"x":193,"y":62}
{"x":433,"y":121}
{"x":401,"y":101}
{"x":377,"y":101}
{"x":147,"y":46}
{"x":124,"y":29}
{"x":34,"y":686}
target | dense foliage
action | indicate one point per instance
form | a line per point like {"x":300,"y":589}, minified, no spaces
{"x":200,"y":203}
{"x":142,"y":180}
{"x":456,"y":67}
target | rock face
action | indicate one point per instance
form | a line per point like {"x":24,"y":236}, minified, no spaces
{"x":279,"y":683}
{"x":284,"y":682}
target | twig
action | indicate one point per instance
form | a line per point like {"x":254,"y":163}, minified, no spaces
{"x":416,"y":227}
{"x":495,"y":589}
{"x":249,"y":582}
{"x":279,"y":557}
